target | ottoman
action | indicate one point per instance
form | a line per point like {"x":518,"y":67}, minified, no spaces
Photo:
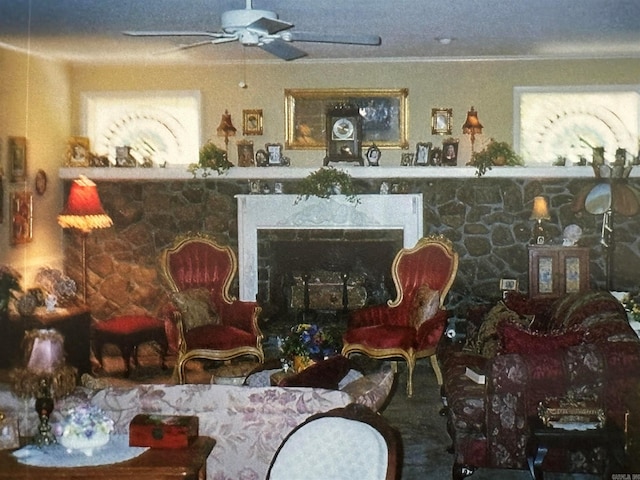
{"x":127,"y":332}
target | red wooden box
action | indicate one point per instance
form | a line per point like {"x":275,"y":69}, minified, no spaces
{"x":162,"y":431}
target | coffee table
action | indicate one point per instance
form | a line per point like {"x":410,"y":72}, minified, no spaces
{"x":166,"y":464}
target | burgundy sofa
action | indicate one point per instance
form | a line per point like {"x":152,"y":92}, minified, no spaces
{"x":529,"y":351}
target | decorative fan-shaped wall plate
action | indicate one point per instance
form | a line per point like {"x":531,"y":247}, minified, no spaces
{"x":154,"y":137}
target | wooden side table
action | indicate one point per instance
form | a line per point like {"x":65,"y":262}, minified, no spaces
{"x":73,"y":323}
{"x":154,"y":464}
{"x":543,"y":438}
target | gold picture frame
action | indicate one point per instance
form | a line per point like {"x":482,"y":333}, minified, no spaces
{"x":245,"y":153}
{"x":21,"y":217}
{"x":441,"y":121}
{"x":17,"y":159}
{"x":384,"y":113}
{"x":252,"y":122}
{"x":78,"y":152}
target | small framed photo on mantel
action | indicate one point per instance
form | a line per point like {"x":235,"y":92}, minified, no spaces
{"x":441,"y":121}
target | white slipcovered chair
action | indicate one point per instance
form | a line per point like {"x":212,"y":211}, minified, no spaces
{"x":341,"y":444}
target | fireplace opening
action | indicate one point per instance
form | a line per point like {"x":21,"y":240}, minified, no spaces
{"x":305,"y":272}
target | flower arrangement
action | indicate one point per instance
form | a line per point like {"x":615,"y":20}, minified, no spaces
{"x":85,"y":421}
{"x":325,"y":182}
{"x":54,"y":282}
{"x":631,"y":302}
{"x":9,"y":283}
{"x":309,"y":341}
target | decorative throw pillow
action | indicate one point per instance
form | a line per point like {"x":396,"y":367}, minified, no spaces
{"x":487,"y":340}
{"x":425,"y":305}
{"x":324,"y":374}
{"x":195,"y":308}
{"x":517,"y":339}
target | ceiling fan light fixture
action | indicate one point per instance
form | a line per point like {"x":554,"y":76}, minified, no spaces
{"x":444,"y":40}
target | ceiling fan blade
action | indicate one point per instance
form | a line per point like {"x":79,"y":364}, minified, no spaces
{"x":269,"y":25}
{"x":352,"y":39}
{"x":161,"y":33}
{"x":282,"y":49}
{"x":199,"y":44}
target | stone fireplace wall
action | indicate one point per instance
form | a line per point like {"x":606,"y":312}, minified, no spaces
{"x":487,"y":219}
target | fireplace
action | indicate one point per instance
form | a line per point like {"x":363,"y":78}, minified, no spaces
{"x":282,"y":212}
{"x":325,"y":270}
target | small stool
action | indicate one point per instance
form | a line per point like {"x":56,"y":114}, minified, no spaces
{"x":127,"y":332}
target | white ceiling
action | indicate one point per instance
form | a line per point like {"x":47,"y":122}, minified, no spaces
{"x":91,"y":30}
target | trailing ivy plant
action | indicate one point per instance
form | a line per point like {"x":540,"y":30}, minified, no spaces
{"x":325,"y":182}
{"x":495,"y":153}
{"x":211,"y":157}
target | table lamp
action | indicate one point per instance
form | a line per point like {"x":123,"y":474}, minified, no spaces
{"x":472,"y":126}
{"x":226,"y":129}
{"x":84,"y":212}
{"x":539,"y":212}
{"x":45,"y":376}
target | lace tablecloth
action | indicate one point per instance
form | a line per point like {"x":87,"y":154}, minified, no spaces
{"x":117,"y":450}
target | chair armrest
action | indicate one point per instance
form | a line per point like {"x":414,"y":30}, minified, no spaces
{"x":243,"y":315}
{"x":431,"y":330}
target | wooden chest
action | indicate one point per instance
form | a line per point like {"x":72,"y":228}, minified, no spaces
{"x":163,"y":431}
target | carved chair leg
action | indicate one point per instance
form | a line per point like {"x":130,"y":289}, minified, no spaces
{"x":460,"y":471}
{"x":436,"y":368}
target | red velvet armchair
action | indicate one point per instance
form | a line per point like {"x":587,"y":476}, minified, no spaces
{"x":411,"y":325}
{"x":212,"y":324}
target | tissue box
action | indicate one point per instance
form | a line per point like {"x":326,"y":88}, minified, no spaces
{"x":162,"y":431}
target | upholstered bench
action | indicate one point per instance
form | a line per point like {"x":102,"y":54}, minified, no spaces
{"x":127,"y":332}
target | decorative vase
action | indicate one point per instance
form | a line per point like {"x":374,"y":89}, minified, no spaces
{"x":300,"y":363}
{"x":83,"y":443}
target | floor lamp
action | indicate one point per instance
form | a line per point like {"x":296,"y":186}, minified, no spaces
{"x":84,"y":212}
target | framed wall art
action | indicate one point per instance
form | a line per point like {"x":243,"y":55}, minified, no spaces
{"x":383,"y":111}
{"x":252,"y":122}
{"x":441,"y":121}
{"x":21,"y":217}
{"x":78,"y":152}
{"x":245,"y":153}
{"x":17,"y":147}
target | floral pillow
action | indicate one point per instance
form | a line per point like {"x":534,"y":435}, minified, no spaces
{"x":486,"y":342}
{"x":195,"y":308}
{"x":425,"y":305}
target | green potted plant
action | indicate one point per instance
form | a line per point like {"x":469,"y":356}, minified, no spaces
{"x":495,"y":153}
{"x":325,"y":182}
{"x":211,"y":157}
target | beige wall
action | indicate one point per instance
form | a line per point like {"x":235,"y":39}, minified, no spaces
{"x":34,"y":100}
{"x":487,"y":85}
{"x":42,"y":100}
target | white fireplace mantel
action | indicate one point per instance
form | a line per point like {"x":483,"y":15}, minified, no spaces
{"x":272,"y":212}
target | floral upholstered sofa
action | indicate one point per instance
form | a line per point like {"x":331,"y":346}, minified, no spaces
{"x":580,"y":345}
{"x":248,"y":423}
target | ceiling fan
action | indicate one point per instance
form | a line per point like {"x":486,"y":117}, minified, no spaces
{"x":261,"y":28}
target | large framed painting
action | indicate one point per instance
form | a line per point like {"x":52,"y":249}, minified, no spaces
{"x":383,"y":111}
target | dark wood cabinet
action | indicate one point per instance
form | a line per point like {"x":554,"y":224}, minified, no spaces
{"x":556,"y":270}
{"x":74,"y":323}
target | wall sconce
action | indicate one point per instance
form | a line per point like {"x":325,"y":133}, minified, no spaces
{"x":539,"y":212}
{"x":84,"y":212}
{"x":472,"y":126}
{"x":226,"y":129}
